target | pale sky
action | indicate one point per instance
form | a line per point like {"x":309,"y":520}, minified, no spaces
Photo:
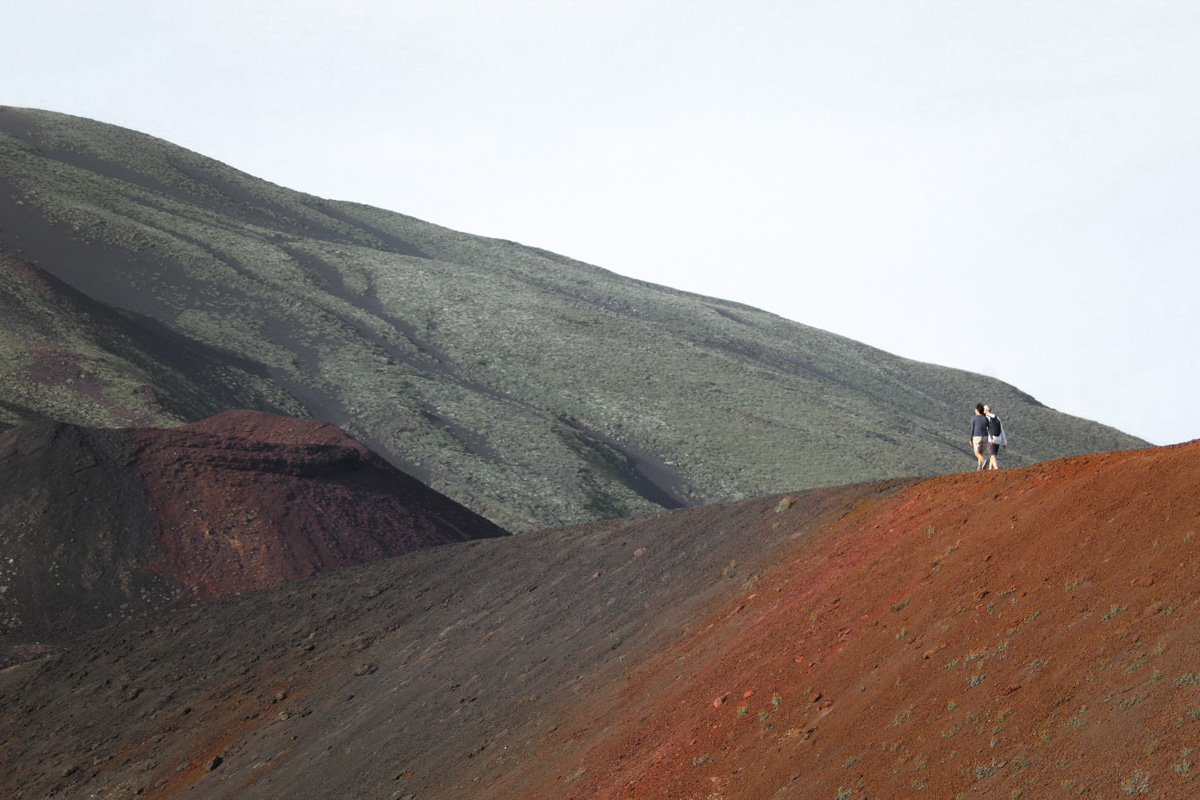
{"x":1011,"y":188}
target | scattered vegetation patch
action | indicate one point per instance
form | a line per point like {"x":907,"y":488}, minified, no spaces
{"x":1114,"y":611}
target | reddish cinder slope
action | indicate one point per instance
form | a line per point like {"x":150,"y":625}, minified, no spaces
{"x":97,"y":525}
{"x":246,"y":500}
{"x":1023,"y":633}
{"x":1010,"y":634}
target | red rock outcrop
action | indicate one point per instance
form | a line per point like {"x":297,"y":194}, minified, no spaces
{"x":246,"y":500}
{"x":96,"y":525}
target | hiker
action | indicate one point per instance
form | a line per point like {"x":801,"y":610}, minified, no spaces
{"x":979,"y":436}
{"x":996,"y":437}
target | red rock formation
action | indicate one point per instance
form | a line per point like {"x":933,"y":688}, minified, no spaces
{"x":246,"y":500}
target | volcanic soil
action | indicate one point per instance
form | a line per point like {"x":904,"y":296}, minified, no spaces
{"x":1023,"y":633}
{"x":98,"y":525}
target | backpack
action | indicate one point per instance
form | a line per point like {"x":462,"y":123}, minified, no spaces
{"x":994,"y":425}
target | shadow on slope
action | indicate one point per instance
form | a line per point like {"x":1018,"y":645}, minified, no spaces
{"x":69,"y":356}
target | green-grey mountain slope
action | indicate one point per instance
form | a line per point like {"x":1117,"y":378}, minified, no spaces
{"x":147,"y":284}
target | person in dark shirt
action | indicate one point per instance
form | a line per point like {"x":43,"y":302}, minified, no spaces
{"x":979,"y":436}
{"x":996,"y":441}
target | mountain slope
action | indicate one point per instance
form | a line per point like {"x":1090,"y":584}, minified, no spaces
{"x":99,"y":525}
{"x":66,"y":356}
{"x":1019,"y":633}
{"x":537,"y":390}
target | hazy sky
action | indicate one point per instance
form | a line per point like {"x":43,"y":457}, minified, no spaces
{"x":1007,"y":187}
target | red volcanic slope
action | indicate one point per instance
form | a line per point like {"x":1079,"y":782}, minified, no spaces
{"x":100,"y":524}
{"x":1012,"y":634}
{"x":1023,"y":633}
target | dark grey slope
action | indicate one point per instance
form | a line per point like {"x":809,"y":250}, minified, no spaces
{"x":532,"y":388}
{"x":75,"y":531}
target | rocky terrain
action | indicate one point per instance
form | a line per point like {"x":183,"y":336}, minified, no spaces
{"x":1028,"y":633}
{"x":97,"y":525}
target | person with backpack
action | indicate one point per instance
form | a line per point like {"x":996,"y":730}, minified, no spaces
{"x":996,"y":437}
{"x":979,"y":436}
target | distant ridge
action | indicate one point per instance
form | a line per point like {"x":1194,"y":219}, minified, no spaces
{"x":148,"y":285}
{"x":1029,"y":632}
{"x":99,"y":525}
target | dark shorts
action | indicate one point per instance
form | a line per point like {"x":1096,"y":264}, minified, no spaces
{"x":995,"y":448}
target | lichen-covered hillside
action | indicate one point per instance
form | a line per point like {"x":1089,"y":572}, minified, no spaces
{"x":537,"y":390}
